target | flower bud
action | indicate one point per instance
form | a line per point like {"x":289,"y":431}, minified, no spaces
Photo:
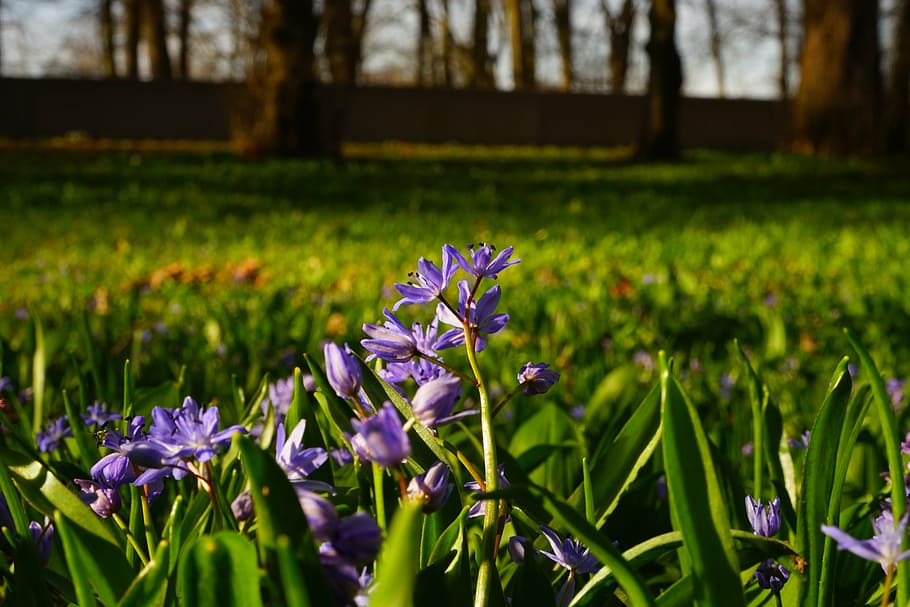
{"x":342,"y":369}
{"x":431,"y":488}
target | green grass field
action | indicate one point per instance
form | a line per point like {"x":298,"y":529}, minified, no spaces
{"x":208,"y":272}
{"x":268,"y":257}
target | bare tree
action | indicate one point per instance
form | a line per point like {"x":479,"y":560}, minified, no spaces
{"x":898,"y":93}
{"x":287,"y":113}
{"x":716,"y":45}
{"x":184,"y":18}
{"x":838,"y":104}
{"x":339,"y":40}
{"x":562,"y":9}
{"x":424,"y":45}
{"x":660,"y":137}
{"x":619,"y":27}
{"x":520,"y":15}
{"x":447,"y":44}
{"x":780,"y":10}
{"x":133,"y":13}
{"x":481,"y":73}
{"x":155,"y":30}
{"x":106,"y":25}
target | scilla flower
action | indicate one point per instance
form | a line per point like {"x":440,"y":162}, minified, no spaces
{"x":429,"y":281}
{"x":481,"y":265}
{"x":536,"y":378}
{"x":764,"y":518}
{"x":342,"y":369}
{"x":434,"y":401}
{"x":885,"y":545}
{"x":432,"y":488}
{"x":381,"y":438}
{"x":571,"y":555}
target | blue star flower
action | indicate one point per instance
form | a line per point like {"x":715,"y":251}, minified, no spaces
{"x":481,"y":266}
{"x":429,"y":282}
{"x":885,"y":545}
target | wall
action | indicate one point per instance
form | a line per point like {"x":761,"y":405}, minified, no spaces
{"x":202,"y":111}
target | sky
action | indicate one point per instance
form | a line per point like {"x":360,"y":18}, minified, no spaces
{"x":49,"y":37}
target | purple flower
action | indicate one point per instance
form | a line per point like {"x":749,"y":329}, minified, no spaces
{"x":429,"y":282}
{"x":43,"y":537}
{"x":480,"y":315}
{"x":895,"y":389}
{"x":102,"y":498}
{"x":341,"y":576}
{"x":477,"y":509}
{"x":342,"y":369}
{"x":6,"y":384}
{"x":571,"y":555}
{"x":192,"y":432}
{"x":519,"y":547}
{"x":357,"y":539}
{"x":434,"y":401}
{"x":299,"y":462}
{"x":432,"y":488}
{"x":885,"y":545}
{"x":481,"y":266}
{"x":97,"y":415}
{"x":802,"y":442}
{"x":321,"y":515}
{"x":536,"y":378}
{"x":644,"y":360}
{"x":772,"y":576}
{"x":764,"y":518}
{"x":381,"y":438}
{"x":242,"y":506}
{"x":726,"y":386}
{"x":391,"y":342}
{"x":57,"y":430}
{"x":281,"y":393}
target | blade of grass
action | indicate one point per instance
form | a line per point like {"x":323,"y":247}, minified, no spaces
{"x":696,"y":498}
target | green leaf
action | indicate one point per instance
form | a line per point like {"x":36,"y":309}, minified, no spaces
{"x":39,"y":367}
{"x":529,"y":585}
{"x":278,"y":514}
{"x":292,"y":583}
{"x":551,"y":426}
{"x":398,"y":560}
{"x":219,"y":571}
{"x":445,"y":578}
{"x":149,"y":589}
{"x":614,"y":470}
{"x":605,"y":552}
{"x":40,"y":487}
{"x":893,"y":453}
{"x":696,"y":499}
{"x":818,"y":505}
{"x":93,"y":564}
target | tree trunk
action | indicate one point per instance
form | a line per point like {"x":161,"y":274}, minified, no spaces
{"x":898,"y":97}
{"x":106,"y":23}
{"x":183,"y":34}
{"x":359,"y":27}
{"x":514,"y":15}
{"x":481,"y":74}
{"x":716,"y":45}
{"x":660,"y":139}
{"x":339,"y":40}
{"x":563,"y":12}
{"x":838,"y":104}
{"x":445,"y":36}
{"x":156,"y":40}
{"x":133,"y":11}
{"x":288,"y":117}
{"x":620,"y":30}
{"x":783,"y":78}
{"x":528,"y":43}
{"x":424,"y":46}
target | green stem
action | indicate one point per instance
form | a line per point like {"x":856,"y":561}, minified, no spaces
{"x":505,"y":399}
{"x":131,"y":539}
{"x":379,"y":492}
{"x":147,"y":522}
{"x":441,"y":363}
{"x":491,"y":474}
{"x":208,"y":479}
{"x":465,"y":462}
{"x":886,"y":593}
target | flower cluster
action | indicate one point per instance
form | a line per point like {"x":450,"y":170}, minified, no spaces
{"x":765,"y":521}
